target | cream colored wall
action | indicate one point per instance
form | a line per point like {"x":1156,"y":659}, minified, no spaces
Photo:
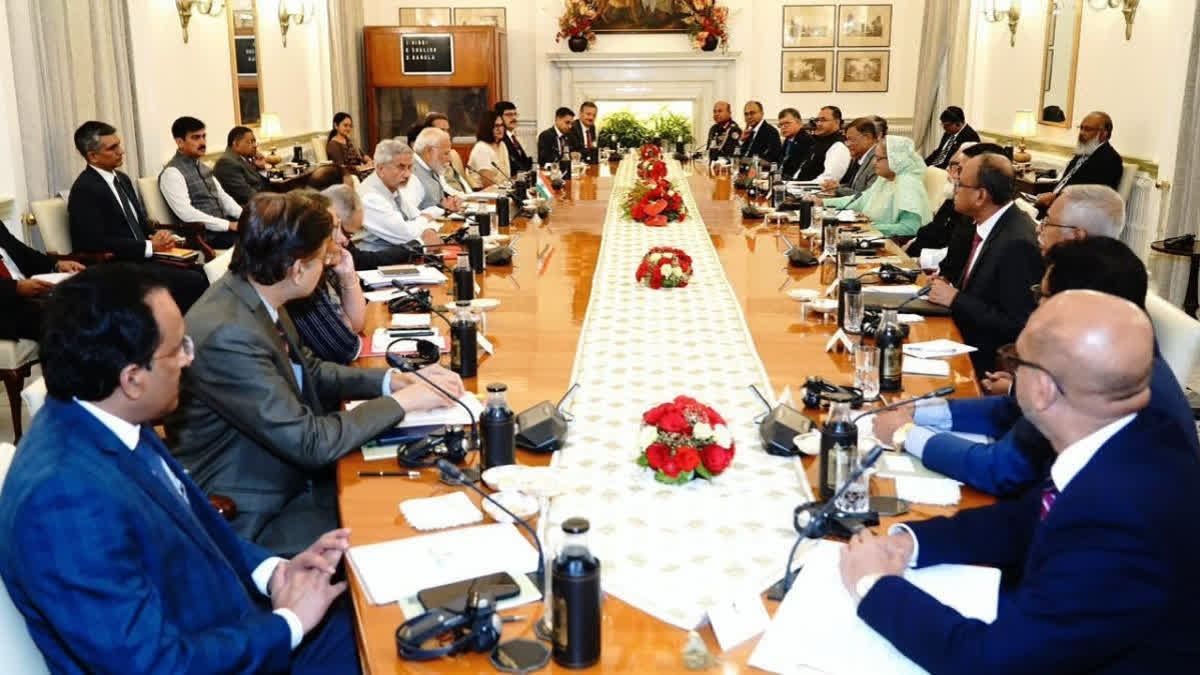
{"x":755,"y":31}
{"x":175,"y":79}
{"x":10,"y":137}
{"x":1138,"y":82}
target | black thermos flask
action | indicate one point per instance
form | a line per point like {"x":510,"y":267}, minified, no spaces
{"x":464,"y":349}
{"x":498,"y":427}
{"x":502,"y":212}
{"x":577,"y":595}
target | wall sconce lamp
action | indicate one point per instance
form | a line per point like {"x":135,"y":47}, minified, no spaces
{"x":995,"y":11}
{"x":293,"y":13}
{"x":189,"y":8}
{"x":1127,"y":7}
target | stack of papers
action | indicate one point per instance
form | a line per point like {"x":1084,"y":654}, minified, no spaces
{"x":835,"y":640}
{"x":915,"y":366}
{"x":53,"y":277}
{"x":903,"y":290}
{"x":451,"y":415}
{"x":438,"y":513}
{"x":934,"y":349}
{"x":426,"y":275}
{"x":410,"y":321}
{"x":380,"y":340}
{"x":393,"y":570}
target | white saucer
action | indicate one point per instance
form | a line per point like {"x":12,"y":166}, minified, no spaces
{"x":523,"y":505}
{"x":808,"y":443}
{"x":803,"y":294}
{"x":824,"y":305}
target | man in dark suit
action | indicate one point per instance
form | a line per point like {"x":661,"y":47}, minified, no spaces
{"x":251,"y":423}
{"x":861,"y":137}
{"x":955,"y":132}
{"x":239,"y":166}
{"x":1095,"y":161}
{"x":1020,"y":455}
{"x":22,"y":299}
{"x":759,"y":139}
{"x":827,"y":157}
{"x":106,"y":216}
{"x":795,"y":140}
{"x":724,"y":134}
{"x":518,"y":159}
{"x":1108,"y":581}
{"x":110,"y":551}
{"x":990,"y":299}
{"x":554,"y":143}
{"x":947,"y":224}
{"x":583,"y":135}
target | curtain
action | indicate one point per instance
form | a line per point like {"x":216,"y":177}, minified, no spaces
{"x":940,"y":29}
{"x":1170,"y":273}
{"x":72,"y":63}
{"x":346,"y":63}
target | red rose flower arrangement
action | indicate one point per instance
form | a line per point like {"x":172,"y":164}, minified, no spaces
{"x":684,"y":439}
{"x":665,"y":267}
{"x":650,"y":151}
{"x":655,"y":203}
{"x":652,"y":169}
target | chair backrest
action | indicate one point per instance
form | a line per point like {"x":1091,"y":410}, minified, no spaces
{"x":1128,"y":178}
{"x":215,"y":269}
{"x":51,"y":216}
{"x":156,"y":207}
{"x":34,"y":395}
{"x":935,"y":183}
{"x":318,"y":146}
{"x":1178,"y":336}
{"x":17,"y":647}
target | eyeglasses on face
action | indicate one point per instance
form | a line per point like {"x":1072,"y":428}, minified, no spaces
{"x":1008,"y":353}
{"x":1045,"y":222}
{"x":186,"y":348}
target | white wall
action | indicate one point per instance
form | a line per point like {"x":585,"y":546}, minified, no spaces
{"x":1138,"y":82}
{"x":11,"y":187}
{"x":755,"y":32}
{"x":175,"y":79}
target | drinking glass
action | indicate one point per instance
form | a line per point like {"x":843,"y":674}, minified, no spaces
{"x":854,"y":312}
{"x":866,"y":366}
{"x":857,"y":497}
{"x":829,"y":238}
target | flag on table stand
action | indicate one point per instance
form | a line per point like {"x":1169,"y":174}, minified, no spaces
{"x":543,"y":187}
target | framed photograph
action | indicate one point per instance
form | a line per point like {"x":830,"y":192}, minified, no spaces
{"x":243,"y":21}
{"x":480,"y":16}
{"x":809,"y":25}
{"x":865,"y":26}
{"x":425,"y":16}
{"x":863,"y":71}
{"x":1052,"y":29}
{"x":1049,"y":69}
{"x":804,"y":72}
{"x":639,"y":16}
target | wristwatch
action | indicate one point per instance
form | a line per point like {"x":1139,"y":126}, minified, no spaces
{"x":900,"y":435}
{"x":865,"y":585}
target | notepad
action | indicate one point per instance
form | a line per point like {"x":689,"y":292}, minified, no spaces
{"x":410,"y":321}
{"x":941,"y":348}
{"x":452,"y":414}
{"x":425,"y":275}
{"x":835,"y":640}
{"x":436,"y":513}
{"x":915,"y":366}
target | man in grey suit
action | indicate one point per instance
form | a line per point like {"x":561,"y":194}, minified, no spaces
{"x":431,"y":154}
{"x":238,"y":167}
{"x":861,"y":137}
{"x":251,"y":423}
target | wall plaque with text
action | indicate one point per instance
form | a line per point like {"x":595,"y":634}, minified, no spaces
{"x":427,"y":53}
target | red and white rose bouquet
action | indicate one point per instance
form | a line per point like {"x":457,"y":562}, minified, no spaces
{"x":665,"y":267}
{"x":684,"y":439}
{"x":655,"y":203}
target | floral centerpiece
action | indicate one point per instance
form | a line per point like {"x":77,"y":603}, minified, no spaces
{"x":654,"y":203}
{"x":575,"y":23}
{"x":706,"y":22}
{"x":684,"y":439}
{"x":665,"y":267}
{"x":651,"y":169}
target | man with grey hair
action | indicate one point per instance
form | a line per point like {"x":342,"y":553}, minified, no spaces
{"x":387,"y":215}
{"x":431,"y":155}
{"x":1082,"y":211}
{"x":1096,"y":162}
{"x":348,"y":207}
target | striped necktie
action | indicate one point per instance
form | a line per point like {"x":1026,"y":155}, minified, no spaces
{"x":1049,"y":496}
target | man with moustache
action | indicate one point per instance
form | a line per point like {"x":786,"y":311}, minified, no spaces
{"x":723,"y":135}
{"x":828,"y":157}
{"x":759,"y":139}
{"x":1095,"y":161}
{"x":192,"y":191}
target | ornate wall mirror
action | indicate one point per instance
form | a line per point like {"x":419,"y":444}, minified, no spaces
{"x":1060,"y":58}
{"x":243,"y":57}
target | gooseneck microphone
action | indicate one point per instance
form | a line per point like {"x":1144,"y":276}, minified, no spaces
{"x":936,"y":393}
{"x":506,"y":176}
{"x":454,"y":474}
{"x":920,"y":294}
{"x":816,"y":523}
{"x":430,"y":305}
{"x":406,"y":366}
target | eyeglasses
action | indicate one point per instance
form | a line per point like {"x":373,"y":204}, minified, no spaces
{"x":1045,"y":222}
{"x":186,"y":347}
{"x":1008,"y":353}
{"x":969,"y":187}
{"x":1038,"y":293}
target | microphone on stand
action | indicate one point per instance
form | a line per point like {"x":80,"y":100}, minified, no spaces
{"x":920,"y":294}
{"x":454,"y":475}
{"x":506,"y":176}
{"x":428,"y":305}
{"x":406,"y":366}
{"x":936,"y":393}
{"x":816,"y":523}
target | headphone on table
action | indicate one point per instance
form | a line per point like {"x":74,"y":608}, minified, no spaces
{"x":424,"y":453}
{"x":476,"y":628}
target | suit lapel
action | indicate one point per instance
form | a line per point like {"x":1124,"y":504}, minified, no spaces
{"x":246,"y":293}
{"x":293,"y":338}
{"x":998,"y":231}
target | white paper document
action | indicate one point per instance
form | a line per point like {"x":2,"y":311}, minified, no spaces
{"x":452,"y":414}
{"x":392,"y":570}
{"x":817,"y":624}
{"x":916,"y":366}
{"x":437,"y":513}
{"x":410,"y":320}
{"x":425,"y":276}
{"x":934,"y":349}
{"x":903,"y":290}
{"x":380,"y":340}
{"x":928,"y":490}
{"x":53,"y":277}
{"x":382,"y":296}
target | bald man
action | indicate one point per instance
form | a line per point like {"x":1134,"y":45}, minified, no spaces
{"x":1020,"y":455}
{"x":1095,"y":161}
{"x":759,"y":138}
{"x":1082,"y":211}
{"x":724,"y":134}
{"x":1108,"y":581}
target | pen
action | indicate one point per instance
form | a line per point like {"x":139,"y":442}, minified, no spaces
{"x":389,"y":474}
{"x":511,"y":619}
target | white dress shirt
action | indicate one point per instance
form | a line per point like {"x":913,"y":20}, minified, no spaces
{"x":129,"y":434}
{"x":110,"y":177}
{"x":837,"y":161}
{"x":984,"y":230}
{"x":174,"y":190}
{"x":13,"y":271}
{"x":389,"y":217}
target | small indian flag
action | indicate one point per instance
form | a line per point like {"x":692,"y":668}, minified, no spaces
{"x":543,"y":187}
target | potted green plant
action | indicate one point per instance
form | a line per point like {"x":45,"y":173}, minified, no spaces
{"x":622,"y":129}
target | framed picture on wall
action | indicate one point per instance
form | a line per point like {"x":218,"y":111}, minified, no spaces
{"x":809,"y":25}
{"x":479,"y":16}
{"x":865,"y":26}
{"x":863,"y":71}
{"x":805,"y":72}
{"x":1049,"y":69}
{"x":1052,"y":29}
{"x":425,"y":16}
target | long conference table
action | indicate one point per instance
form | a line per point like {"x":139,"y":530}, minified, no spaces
{"x":544,"y":297}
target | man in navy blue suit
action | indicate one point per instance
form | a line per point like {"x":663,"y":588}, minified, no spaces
{"x":115,"y":558}
{"x":1021,"y":455}
{"x":1108,"y":579}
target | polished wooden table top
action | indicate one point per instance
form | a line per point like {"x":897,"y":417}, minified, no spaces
{"x":535,"y":329}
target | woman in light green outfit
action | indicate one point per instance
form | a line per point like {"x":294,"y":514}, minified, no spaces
{"x":896,"y":202}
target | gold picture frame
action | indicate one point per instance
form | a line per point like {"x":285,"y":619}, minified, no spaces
{"x":865,"y":26}
{"x":425,"y":16}
{"x":806,"y":72}
{"x":481,"y":16}
{"x":863,"y":71}
{"x":809,"y":26}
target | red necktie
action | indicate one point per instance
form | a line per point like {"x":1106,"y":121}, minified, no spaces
{"x":587,"y":132}
{"x":1049,"y":496}
{"x":4,"y":273}
{"x":970,"y":265}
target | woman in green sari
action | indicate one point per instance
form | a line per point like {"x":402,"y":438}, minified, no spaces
{"x":896,"y":202}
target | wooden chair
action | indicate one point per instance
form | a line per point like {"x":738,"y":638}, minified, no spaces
{"x":16,"y":359}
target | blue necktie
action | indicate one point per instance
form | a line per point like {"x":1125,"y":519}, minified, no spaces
{"x":158,"y":468}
